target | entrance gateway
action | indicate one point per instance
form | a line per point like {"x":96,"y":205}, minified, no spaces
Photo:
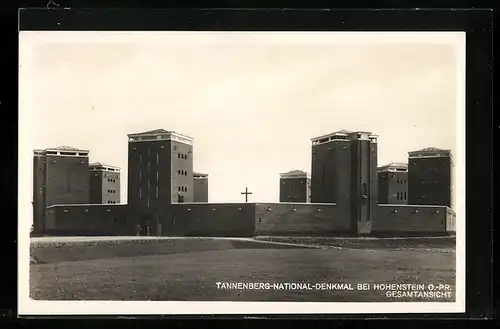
{"x":149,"y":225}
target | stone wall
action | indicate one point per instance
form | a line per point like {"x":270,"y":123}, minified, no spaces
{"x":299,"y":219}
{"x":202,"y":219}
{"x":67,"y":180}
{"x":393,"y":187}
{"x":294,"y":189}
{"x":245,"y":220}
{"x":200,"y":189}
{"x":407,"y":219}
{"x":88,"y":220}
{"x":183,"y":219}
{"x":95,"y":186}
{"x":429,"y":181}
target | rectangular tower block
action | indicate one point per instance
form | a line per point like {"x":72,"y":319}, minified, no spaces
{"x":160,"y":170}
{"x":60,"y":176}
{"x":295,"y":186}
{"x":364,"y":180}
{"x":200,"y":186}
{"x":430,"y":177}
{"x":393,"y":183}
{"x":344,"y":171}
{"x":104,"y":184}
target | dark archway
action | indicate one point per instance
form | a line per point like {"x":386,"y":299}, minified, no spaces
{"x":149,"y":225}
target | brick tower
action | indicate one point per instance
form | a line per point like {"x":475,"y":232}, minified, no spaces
{"x":393,"y":183}
{"x":104,"y":184}
{"x":430,"y":177}
{"x":295,"y":186}
{"x":160,"y":168}
{"x":200,"y":186}
{"x":60,"y":176}
{"x":344,"y":171}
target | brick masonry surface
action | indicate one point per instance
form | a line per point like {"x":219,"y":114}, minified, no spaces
{"x":294,"y":189}
{"x":104,"y":187}
{"x":186,"y":219}
{"x":393,"y":187}
{"x":87,"y":220}
{"x":403,"y":218}
{"x":242,"y":219}
{"x":308,"y":219}
{"x":67,"y":180}
{"x":182,"y":172}
{"x":200,"y":192}
{"x":210,"y":220}
{"x":429,"y":181}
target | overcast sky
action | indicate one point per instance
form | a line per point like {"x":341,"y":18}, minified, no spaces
{"x":252,"y":102}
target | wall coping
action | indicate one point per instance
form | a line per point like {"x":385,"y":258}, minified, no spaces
{"x":213,"y":203}
{"x":412,"y":205}
{"x":249,"y":203}
{"x":86,"y":205}
{"x":160,"y":136}
{"x":296,"y":203}
{"x":345,"y":135}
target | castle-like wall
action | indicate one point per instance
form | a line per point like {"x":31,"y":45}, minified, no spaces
{"x":406,"y":219}
{"x":299,"y":219}
{"x":202,"y":219}
{"x":88,"y":220}
{"x":183,"y":219}
{"x":244,"y":220}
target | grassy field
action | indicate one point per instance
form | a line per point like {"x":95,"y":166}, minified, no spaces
{"x":193,"y":275}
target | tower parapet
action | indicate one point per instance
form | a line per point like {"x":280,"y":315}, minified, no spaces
{"x":62,"y":151}
{"x":295,"y":174}
{"x":160,"y":135}
{"x":394,"y":167}
{"x":343,"y":135}
{"x":429,"y":152}
{"x":295,"y":186}
{"x":97,"y":166}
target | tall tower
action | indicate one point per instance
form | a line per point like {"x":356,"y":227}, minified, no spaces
{"x":430,"y":177}
{"x":331,"y":169}
{"x":393,"y":183}
{"x":60,"y":176}
{"x":200,"y":186}
{"x":104,"y":184}
{"x":160,"y":169}
{"x":344,"y":171}
{"x":364,"y":188}
{"x":295,"y":186}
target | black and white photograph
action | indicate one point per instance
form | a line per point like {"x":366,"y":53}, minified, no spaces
{"x":196,"y":172}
